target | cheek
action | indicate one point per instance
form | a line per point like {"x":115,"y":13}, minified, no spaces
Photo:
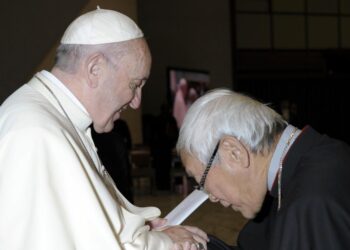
{"x":221,"y":185}
{"x":251,"y":208}
{"x":251,"y":200}
{"x":258,"y":201}
{"x":115,"y":93}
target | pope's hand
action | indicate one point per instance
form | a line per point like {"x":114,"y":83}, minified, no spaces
{"x":186,"y":237}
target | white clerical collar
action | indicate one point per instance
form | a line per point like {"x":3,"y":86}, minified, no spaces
{"x":63,"y":87}
{"x":280,"y":151}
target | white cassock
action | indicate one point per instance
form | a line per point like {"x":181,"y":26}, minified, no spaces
{"x":54,"y":195}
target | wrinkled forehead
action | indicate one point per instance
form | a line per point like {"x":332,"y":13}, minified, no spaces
{"x":137,"y":59}
{"x":142,"y":54}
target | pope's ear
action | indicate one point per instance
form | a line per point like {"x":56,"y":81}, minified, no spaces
{"x":94,"y":69}
{"x":234,"y":152}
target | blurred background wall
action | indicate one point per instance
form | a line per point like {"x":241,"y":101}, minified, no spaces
{"x":291,"y":51}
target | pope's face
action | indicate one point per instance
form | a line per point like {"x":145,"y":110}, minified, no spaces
{"x":231,"y":186}
{"x":122,"y":87}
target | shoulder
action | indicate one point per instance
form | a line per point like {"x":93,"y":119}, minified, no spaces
{"x":27,"y":110}
{"x":319,"y":186}
{"x":323,"y":169}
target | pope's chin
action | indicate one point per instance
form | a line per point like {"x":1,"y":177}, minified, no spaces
{"x":116,"y":116}
{"x":107,"y":127}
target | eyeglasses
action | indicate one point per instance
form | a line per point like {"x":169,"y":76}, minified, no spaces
{"x":206,"y":171}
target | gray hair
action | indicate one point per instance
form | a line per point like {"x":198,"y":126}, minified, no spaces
{"x":224,"y":112}
{"x":69,"y":56}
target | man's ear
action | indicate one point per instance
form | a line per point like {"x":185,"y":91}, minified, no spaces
{"x":234,"y":152}
{"x":95,"y":66}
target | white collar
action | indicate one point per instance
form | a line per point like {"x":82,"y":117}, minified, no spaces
{"x":63,"y":87}
{"x":280,"y":152}
{"x":64,"y":103}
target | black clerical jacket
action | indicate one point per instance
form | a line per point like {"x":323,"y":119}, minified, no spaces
{"x":315,"y":208}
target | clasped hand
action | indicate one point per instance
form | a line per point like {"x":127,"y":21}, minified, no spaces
{"x":184,"y":237}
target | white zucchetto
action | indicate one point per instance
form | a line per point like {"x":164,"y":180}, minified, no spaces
{"x":99,"y":27}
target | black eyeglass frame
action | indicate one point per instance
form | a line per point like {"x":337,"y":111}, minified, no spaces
{"x":200,"y":186}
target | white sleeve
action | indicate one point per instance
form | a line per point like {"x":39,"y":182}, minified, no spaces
{"x":52,"y":198}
